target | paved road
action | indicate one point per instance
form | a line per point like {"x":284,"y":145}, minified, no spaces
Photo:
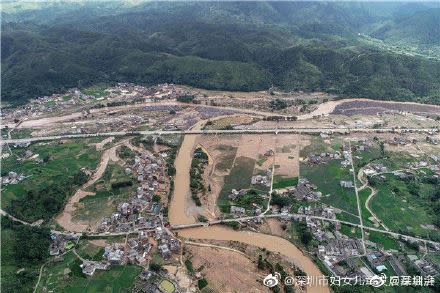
{"x":235,"y":131}
{"x":296,"y":216}
{"x":271,"y":179}
{"x":215,"y":222}
{"x":357,"y":198}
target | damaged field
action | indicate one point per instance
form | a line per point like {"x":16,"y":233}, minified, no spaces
{"x":226,"y":271}
{"x":246,"y":162}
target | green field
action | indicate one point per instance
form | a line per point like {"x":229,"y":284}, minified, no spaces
{"x":239,"y":178}
{"x":21,"y":133}
{"x":327,"y":178}
{"x":351,"y":231}
{"x":361,"y":158}
{"x":316,"y":146}
{"x":402,"y":210}
{"x":247,"y":201}
{"x":65,"y":160}
{"x":57,"y":173}
{"x":363,"y":195}
{"x":227,"y":157}
{"x":348,"y":217}
{"x":66,"y":276}
{"x":167,"y":286}
{"x":97,"y":90}
{"x":105,"y":200}
{"x":283,"y":182}
{"x":400,"y":160}
{"x":386,"y":241}
{"x":261,"y":159}
{"x":87,"y":250}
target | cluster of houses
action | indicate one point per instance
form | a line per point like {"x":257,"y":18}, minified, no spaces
{"x":129,"y":91}
{"x":237,"y":211}
{"x":322,"y":158}
{"x":426,"y":268}
{"x":122,"y":92}
{"x":62,"y":242}
{"x":315,"y":225}
{"x":340,"y":253}
{"x":135,"y":251}
{"x":89,"y":266}
{"x":337,"y":247}
{"x":264,"y":180}
{"x":432,"y":140}
{"x":237,"y":193}
{"x":167,"y":244}
{"x":142,"y":211}
{"x":316,"y":159}
{"x":410,"y":170}
{"x":374,"y":168}
{"x":304,"y":191}
{"x":349,"y":267}
{"x":346,"y":183}
{"x":334,"y":247}
{"x":402,"y":140}
{"x":339,"y":256}
{"x":12,"y":178}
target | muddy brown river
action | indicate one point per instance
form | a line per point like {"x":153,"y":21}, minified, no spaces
{"x":178,"y":215}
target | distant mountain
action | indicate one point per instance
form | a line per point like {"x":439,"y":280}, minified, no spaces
{"x":421,"y":27}
{"x":217,"y":45}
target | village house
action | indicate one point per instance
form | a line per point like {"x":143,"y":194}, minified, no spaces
{"x":89,"y":267}
{"x":305,"y":191}
{"x":346,"y":184}
{"x":237,"y":211}
{"x":62,"y":242}
{"x":237,"y":193}
{"x":114,"y":254}
{"x":261,"y":180}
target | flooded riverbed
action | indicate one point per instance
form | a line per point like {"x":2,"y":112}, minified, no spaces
{"x":178,"y":207}
{"x":178,"y":214}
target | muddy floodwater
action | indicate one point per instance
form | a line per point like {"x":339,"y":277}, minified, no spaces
{"x":178,"y":215}
{"x":272,"y":243}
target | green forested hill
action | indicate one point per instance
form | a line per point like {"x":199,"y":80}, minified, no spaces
{"x":422,"y":27}
{"x":216,"y":45}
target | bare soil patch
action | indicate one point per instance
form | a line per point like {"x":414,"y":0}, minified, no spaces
{"x":275,"y":227}
{"x":227,"y":271}
{"x":221,"y":150}
{"x":287,"y":155}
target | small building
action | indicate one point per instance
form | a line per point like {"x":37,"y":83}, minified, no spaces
{"x":346,"y":184}
{"x":269,"y":153}
{"x":164,"y":251}
{"x":381,"y":268}
{"x":237,"y":210}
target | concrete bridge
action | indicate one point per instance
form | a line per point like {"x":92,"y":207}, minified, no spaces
{"x":298,"y":216}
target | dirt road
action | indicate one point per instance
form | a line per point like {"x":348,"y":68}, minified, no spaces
{"x":65,"y":219}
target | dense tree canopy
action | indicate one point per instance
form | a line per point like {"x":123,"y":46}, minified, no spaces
{"x":231,"y":46}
